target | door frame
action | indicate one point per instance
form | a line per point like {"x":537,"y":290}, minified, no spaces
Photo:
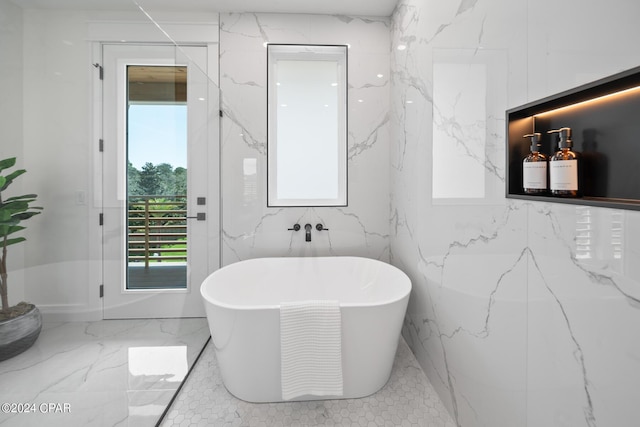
{"x":120,"y":301}
{"x":196,"y":32}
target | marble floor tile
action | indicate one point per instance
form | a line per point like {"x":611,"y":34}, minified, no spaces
{"x":408,"y":399}
{"x":125,"y":373}
{"x":106,"y":373}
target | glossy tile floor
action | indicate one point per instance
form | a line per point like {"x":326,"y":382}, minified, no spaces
{"x":107,"y":373}
{"x":408,"y":399}
{"x":125,"y":373}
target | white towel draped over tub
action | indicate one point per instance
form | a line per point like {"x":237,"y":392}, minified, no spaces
{"x":310,"y":345}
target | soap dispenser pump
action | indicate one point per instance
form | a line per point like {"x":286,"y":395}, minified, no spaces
{"x":564,"y":167}
{"x":534,"y":168}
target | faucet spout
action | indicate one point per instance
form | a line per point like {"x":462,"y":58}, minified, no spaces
{"x":307,"y":232}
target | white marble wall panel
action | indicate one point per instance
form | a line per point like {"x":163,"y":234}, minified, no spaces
{"x":521,"y":313}
{"x":598,"y":40}
{"x":584,"y":286}
{"x":250,"y":228}
{"x":466,"y":256}
{"x":584,"y":311}
{"x":468,"y":312}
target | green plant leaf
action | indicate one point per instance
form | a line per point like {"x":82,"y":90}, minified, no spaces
{"x":13,"y":241}
{"x":29,"y":197}
{"x":6,"y":230}
{"x":9,"y":222}
{"x":24,"y":215}
{"x":14,"y":209}
{"x":15,"y":206}
{"x":5,"y":215}
{"x":7,"y":163}
{"x":12,"y":206}
{"x":9,"y":178}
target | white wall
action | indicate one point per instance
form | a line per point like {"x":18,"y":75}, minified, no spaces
{"x":57,"y":149}
{"x":512,"y":324}
{"x":11,"y":144}
{"x":250,"y":229}
{"x":11,"y":79}
{"x":63,"y":268}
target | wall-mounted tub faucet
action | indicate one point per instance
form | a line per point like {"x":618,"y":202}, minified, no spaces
{"x":307,"y":229}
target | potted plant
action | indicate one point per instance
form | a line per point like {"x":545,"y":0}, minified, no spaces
{"x":20,"y":324}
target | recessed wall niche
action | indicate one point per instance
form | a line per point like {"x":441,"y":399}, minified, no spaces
{"x":604,"y":117}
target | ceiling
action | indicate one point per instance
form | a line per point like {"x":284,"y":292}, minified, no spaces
{"x":326,"y":7}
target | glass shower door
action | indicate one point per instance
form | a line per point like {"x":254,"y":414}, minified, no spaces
{"x":156,"y":186}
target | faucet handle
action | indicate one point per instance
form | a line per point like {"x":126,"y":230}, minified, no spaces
{"x":296,"y":227}
{"x":320,"y":227}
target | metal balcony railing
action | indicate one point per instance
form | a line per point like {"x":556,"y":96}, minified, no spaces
{"x":157,"y":229}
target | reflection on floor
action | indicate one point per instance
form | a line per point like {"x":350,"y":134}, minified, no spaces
{"x":125,"y":373}
{"x":408,"y":399}
{"x":107,"y":373}
{"x":158,"y":276}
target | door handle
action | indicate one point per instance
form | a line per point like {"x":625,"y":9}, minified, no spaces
{"x":200,"y":216}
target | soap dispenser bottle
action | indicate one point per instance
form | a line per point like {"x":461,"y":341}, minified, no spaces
{"x":534,"y":168}
{"x":564,"y":167}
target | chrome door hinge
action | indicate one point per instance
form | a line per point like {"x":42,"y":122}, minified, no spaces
{"x":101,"y":291}
{"x":101,"y":145}
{"x":100,"y":70}
{"x":101,"y":219}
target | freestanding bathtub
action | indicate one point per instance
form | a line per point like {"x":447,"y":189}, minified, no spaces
{"x":242,"y":302}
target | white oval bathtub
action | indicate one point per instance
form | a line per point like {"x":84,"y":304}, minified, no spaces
{"x":242,"y":302}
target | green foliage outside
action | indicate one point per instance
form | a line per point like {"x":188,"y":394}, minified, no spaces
{"x":156,"y":180}
{"x":164,"y":183}
{"x":180,"y":248}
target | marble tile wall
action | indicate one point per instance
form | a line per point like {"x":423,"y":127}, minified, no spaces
{"x":522,"y":313}
{"x":250,"y":229}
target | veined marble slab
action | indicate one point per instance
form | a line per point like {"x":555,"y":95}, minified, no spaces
{"x":105,"y":373}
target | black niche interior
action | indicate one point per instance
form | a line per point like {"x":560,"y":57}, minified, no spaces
{"x":604,"y":117}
